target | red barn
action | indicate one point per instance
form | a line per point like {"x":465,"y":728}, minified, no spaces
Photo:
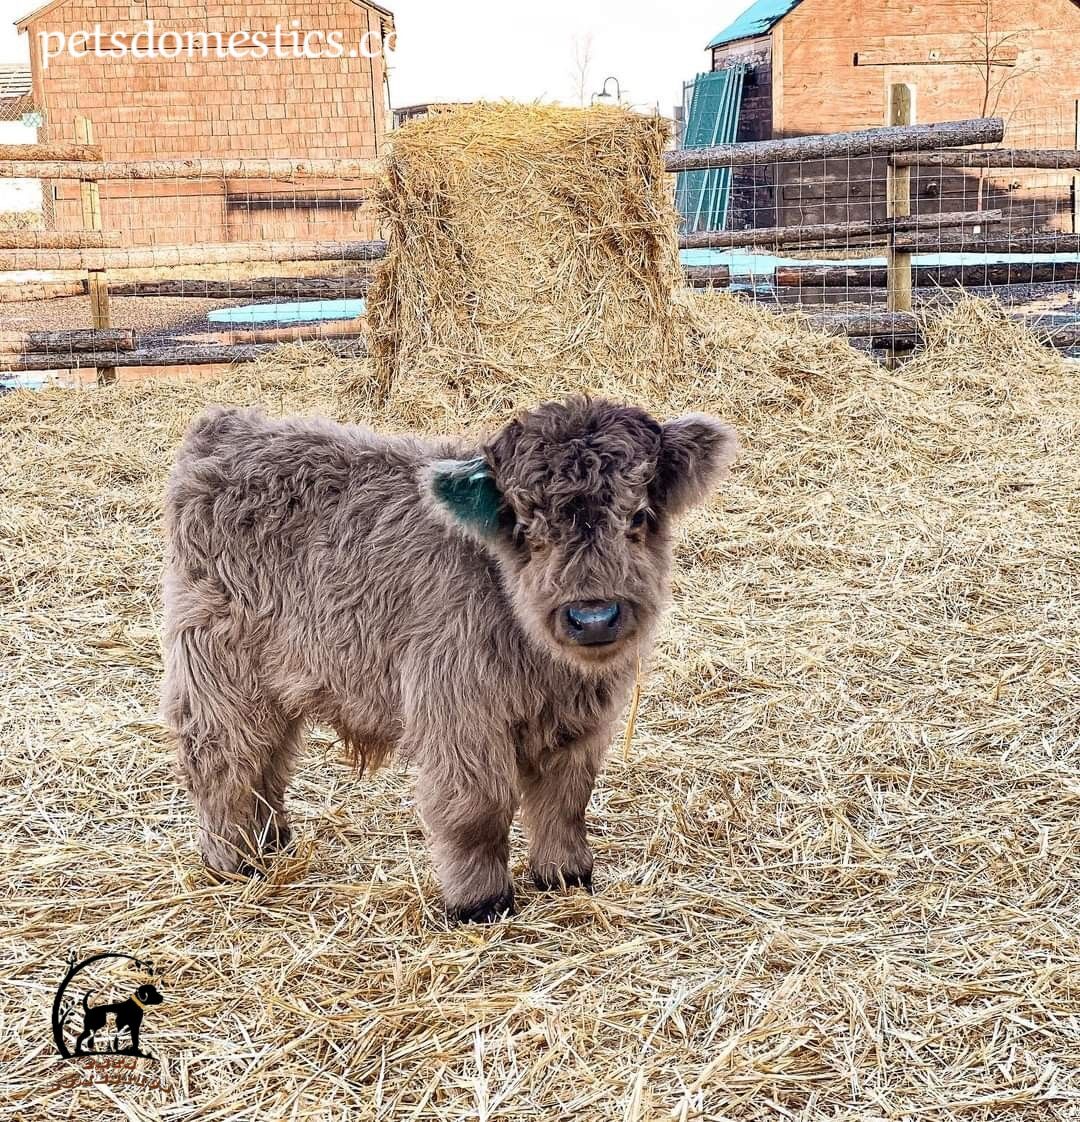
{"x":811,"y":66}
{"x":217,"y":100}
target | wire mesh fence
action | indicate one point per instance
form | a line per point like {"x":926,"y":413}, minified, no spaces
{"x":190,"y":266}
{"x":1000,"y":219}
{"x":202,"y":261}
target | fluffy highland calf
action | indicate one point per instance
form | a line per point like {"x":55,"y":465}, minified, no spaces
{"x":477,"y":610}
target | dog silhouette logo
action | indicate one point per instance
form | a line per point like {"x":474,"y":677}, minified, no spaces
{"x":101,"y":1004}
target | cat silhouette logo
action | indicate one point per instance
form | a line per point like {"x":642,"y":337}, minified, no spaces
{"x":100,"y":1008}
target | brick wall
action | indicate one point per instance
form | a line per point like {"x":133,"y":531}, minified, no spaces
{"x":819,"y":87}
{"x":823,"y":90}
{"x":216,"y":108}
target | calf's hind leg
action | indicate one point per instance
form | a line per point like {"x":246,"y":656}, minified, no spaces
{"x":237,"y":778}
{"x":271,"y":821}
{"x":236,"y":753}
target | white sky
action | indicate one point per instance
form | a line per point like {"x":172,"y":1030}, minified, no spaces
{"x":456,"y":51}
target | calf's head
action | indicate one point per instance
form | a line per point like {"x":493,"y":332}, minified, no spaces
{"x":575,"y":501}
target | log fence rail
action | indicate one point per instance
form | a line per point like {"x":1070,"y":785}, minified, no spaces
{"x":905,"y":146}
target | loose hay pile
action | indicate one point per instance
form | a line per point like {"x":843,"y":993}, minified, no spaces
{"x":836,"y":870}
{"x":524,"y":235}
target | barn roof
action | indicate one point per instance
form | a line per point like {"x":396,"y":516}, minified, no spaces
{"x":38,"y":12}
{"x":760,"y":18}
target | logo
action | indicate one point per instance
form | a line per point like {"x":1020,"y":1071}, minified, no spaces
{"x":100,"y":1015}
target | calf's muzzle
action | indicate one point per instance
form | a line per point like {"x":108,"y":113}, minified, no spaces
{"x":592,"y":623}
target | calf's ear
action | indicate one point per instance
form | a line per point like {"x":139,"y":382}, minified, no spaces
{"x":464,"y":491}
{"x":695,"y":453}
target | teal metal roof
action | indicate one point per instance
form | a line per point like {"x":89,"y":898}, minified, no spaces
{"x":758,"y":19}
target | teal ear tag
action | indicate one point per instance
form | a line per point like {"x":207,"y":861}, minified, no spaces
{"x":467,"y":489}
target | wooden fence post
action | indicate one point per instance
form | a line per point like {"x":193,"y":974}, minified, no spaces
{"x":91,"y":218}
{"x":1076,"y":178}
{"x":901,"y":112}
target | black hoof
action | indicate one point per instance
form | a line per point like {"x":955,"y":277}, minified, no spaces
{"x":490,"y":910}
{"x":278,"y":841}
{"x":245,"y":868}
{"x":563,"y":880}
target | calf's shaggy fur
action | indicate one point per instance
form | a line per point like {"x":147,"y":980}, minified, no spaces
{"x":478,"y":610}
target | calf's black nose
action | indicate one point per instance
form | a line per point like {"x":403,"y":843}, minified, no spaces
{"x":592,"y":622}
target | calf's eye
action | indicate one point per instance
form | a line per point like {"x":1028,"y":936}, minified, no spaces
{"x":519,"y":535}
{"x":639,"y":519}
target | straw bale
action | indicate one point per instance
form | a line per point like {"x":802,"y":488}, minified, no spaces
{"x":522,"y":235}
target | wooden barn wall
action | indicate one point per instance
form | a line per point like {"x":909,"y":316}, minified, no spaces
{"x":752,"y":188}
{"x":215,"y":108}
{"x":823,"y":90}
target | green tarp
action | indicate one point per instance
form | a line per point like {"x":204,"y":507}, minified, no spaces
{"x":712,"y":118}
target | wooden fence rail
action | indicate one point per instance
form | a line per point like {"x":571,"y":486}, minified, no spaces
{"x":904,"y":324}
{"x":257,"y":288}
{"x":188,"y":169}
{"x":876,"y":276}
{"x":1059,"y":158}
{"x":168,"y":256}
{"x":819,"y":237}
{"x":22,"y":152}
{"x":84,"y":339}
{"x":194,"y":355}
{"x":930,"y":242}
{"x":59,"y":239}
{"x":864,"y":142}
{"x":915,"y":139}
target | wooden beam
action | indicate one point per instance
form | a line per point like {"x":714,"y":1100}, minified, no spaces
{"x":217,"y":188}
{"x":191,"y":169}
{"x":21,"y":293}
{"x":929,"y":242}
{"x":902,"y":325}
{"x":168,"y":256}
{"x":59,"y":239}
{"x":301,"y":333}
{"x":708,"y":276}
{"x":915,"y":55}
{"x":22,"y":152}
{"x":865,"y":142}
{"x":901,"y":112}
{"x":814,"y":236}
{"x":86,"y":339}
{"x":883,"y":325}
{"x":1020,"y":158}
{"x":202,"y":355}
{"x":286,"y":200}
{"x":255,"y":288}
{"x":863,"y":323}
{"x":876,"y":276}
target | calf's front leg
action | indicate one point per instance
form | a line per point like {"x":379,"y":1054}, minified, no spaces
{"x":467,"y":802}
{"x":555,"y":792}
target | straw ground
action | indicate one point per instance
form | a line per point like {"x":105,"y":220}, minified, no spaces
{"x":836,"y":860}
